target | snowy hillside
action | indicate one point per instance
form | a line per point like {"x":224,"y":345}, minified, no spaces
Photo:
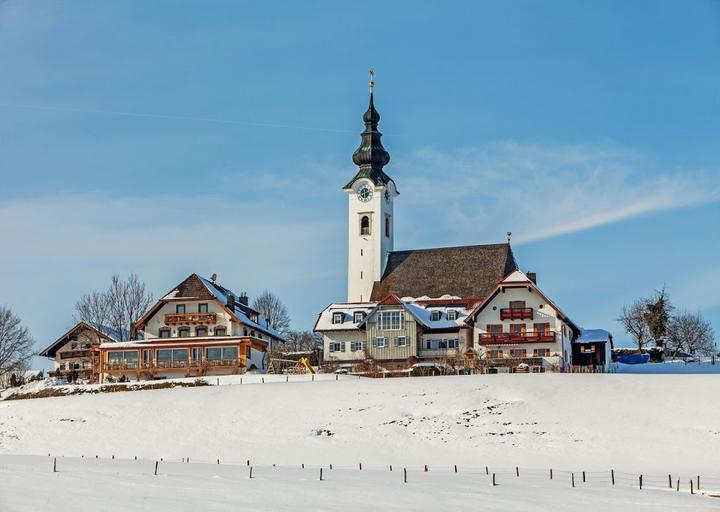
{"x":635,"y":424}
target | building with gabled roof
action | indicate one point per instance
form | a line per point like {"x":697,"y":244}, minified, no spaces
{"x":497,"y":317}
{"x":72,"y":353}
{"x":197,"y":328}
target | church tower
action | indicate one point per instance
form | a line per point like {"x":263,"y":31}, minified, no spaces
{"x":370,"y":210}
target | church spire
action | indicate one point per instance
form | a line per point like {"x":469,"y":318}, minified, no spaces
{"x":371,"y":153}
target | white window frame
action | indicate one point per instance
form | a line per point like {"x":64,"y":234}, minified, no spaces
{"x":452,"y":314}
{"x":401,"y":341}
{"x":337,"y":314}
{"x":435,"y":315}
{"x":357,"y":314}
{"x":393,"y":320}
{"x":336,"y":346}
{"x":376,"y":342}
{"x":357,"y":346}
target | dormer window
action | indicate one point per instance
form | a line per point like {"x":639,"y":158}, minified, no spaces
{"x":435,"y":316}
{"x":165,"y":332}
{"x":338,"y":318}
{"x":203,"y":308}
{"x":220,"y":331}
{"x":180,"y":309}
{"x":358,"y":317}
{"x":201,"y":331}
{"x":183,"y":332}
{"x":452,"y":314}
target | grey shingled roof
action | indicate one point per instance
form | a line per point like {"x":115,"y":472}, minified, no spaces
{"x":467,"y":271}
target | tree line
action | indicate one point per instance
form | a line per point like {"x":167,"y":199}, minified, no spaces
{"x":655,"y":322}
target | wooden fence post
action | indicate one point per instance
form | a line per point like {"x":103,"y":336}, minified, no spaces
{"x":678,"y":485}
{"x":321,"y":474}
{"x":250,"y":471}
{"x":698,"y":482}
{"x":572,"y":479}
{"x":361,"y":466}
{"x":248,"y":462}
{"x":517,"y":471}
{"x":640,"y":480}
{"x":390,"y":467}
{"x":670,"y":481}
{"x":612,"y":476}
{"x":55,"y":465}
{"x":583,"y":476}
{"x":330,"y":466}
{"x":494,"y":483}
{"x":156,"y":467}
{"x":691,"y":487}
{"x":218,"y":461}
{"x":550,"y":473}
{"x":456,"y":468}
{"x":425,"y":468}
{"x":405,"y":475}
{"x":487,"y":471}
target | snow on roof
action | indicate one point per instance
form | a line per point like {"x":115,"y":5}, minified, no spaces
{"x":240,"y":310}
{"x":517,"y":276}
{"x":424,"y":316}
{"x":593,"y":336}
{"x":348,"y":310}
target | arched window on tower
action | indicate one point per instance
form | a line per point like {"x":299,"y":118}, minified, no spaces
{"x":387,"y":226}
{"x":365,"y":225}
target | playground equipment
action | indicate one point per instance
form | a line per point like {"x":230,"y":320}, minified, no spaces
{"x":290,"y":366}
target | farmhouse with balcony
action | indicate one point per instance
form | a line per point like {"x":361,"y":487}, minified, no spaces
{"x":74,"y":352}
{"x":198,"y":328}
{"x":517,"y":325}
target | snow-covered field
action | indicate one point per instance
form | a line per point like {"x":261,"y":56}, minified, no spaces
{"x":655,"y":425}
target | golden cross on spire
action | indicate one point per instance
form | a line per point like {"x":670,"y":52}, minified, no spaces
{"x":372,"y":76}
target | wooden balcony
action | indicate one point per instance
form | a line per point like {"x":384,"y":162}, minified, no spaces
{"x":511,"y":338}
{"x":190,"y":318}
{"x":516,"y":314}
{"x":73,"y":354}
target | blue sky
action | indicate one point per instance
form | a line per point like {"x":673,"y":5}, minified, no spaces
{"x":172,"y":137}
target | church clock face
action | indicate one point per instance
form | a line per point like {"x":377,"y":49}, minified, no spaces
{"x":365,"y":193}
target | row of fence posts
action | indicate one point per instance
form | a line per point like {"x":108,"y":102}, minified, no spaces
{"x":693,"y":485}
{"x":287,"y":379}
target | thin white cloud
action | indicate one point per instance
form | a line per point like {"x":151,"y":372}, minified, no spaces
{"x":539,"y":192}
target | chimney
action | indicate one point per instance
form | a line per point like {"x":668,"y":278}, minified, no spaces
{"x":231,"y":301}
{"x":244,"y":298}
{"x":533,"y":277}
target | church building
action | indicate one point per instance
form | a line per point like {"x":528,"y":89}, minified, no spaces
{"x":410,"y":308}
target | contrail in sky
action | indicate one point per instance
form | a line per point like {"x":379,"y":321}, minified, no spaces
{"x":170,"y":117}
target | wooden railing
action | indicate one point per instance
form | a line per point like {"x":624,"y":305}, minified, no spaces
{"x":516,"y":314}
{"x":509,"y":338}
{"x":190,"y":318}
{"x":74,"y":354}
{"x":173,"y":365}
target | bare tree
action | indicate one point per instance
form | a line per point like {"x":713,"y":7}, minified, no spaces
{"x":94,"y":309}
{"x":690,"y":333}
{"x":302,"y":341}
{"x":117,"y":308}
{"x":658,"y":311}
{"x":633,"y":321}
{"x":15,"y":344}
{"x":273,"y":310}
